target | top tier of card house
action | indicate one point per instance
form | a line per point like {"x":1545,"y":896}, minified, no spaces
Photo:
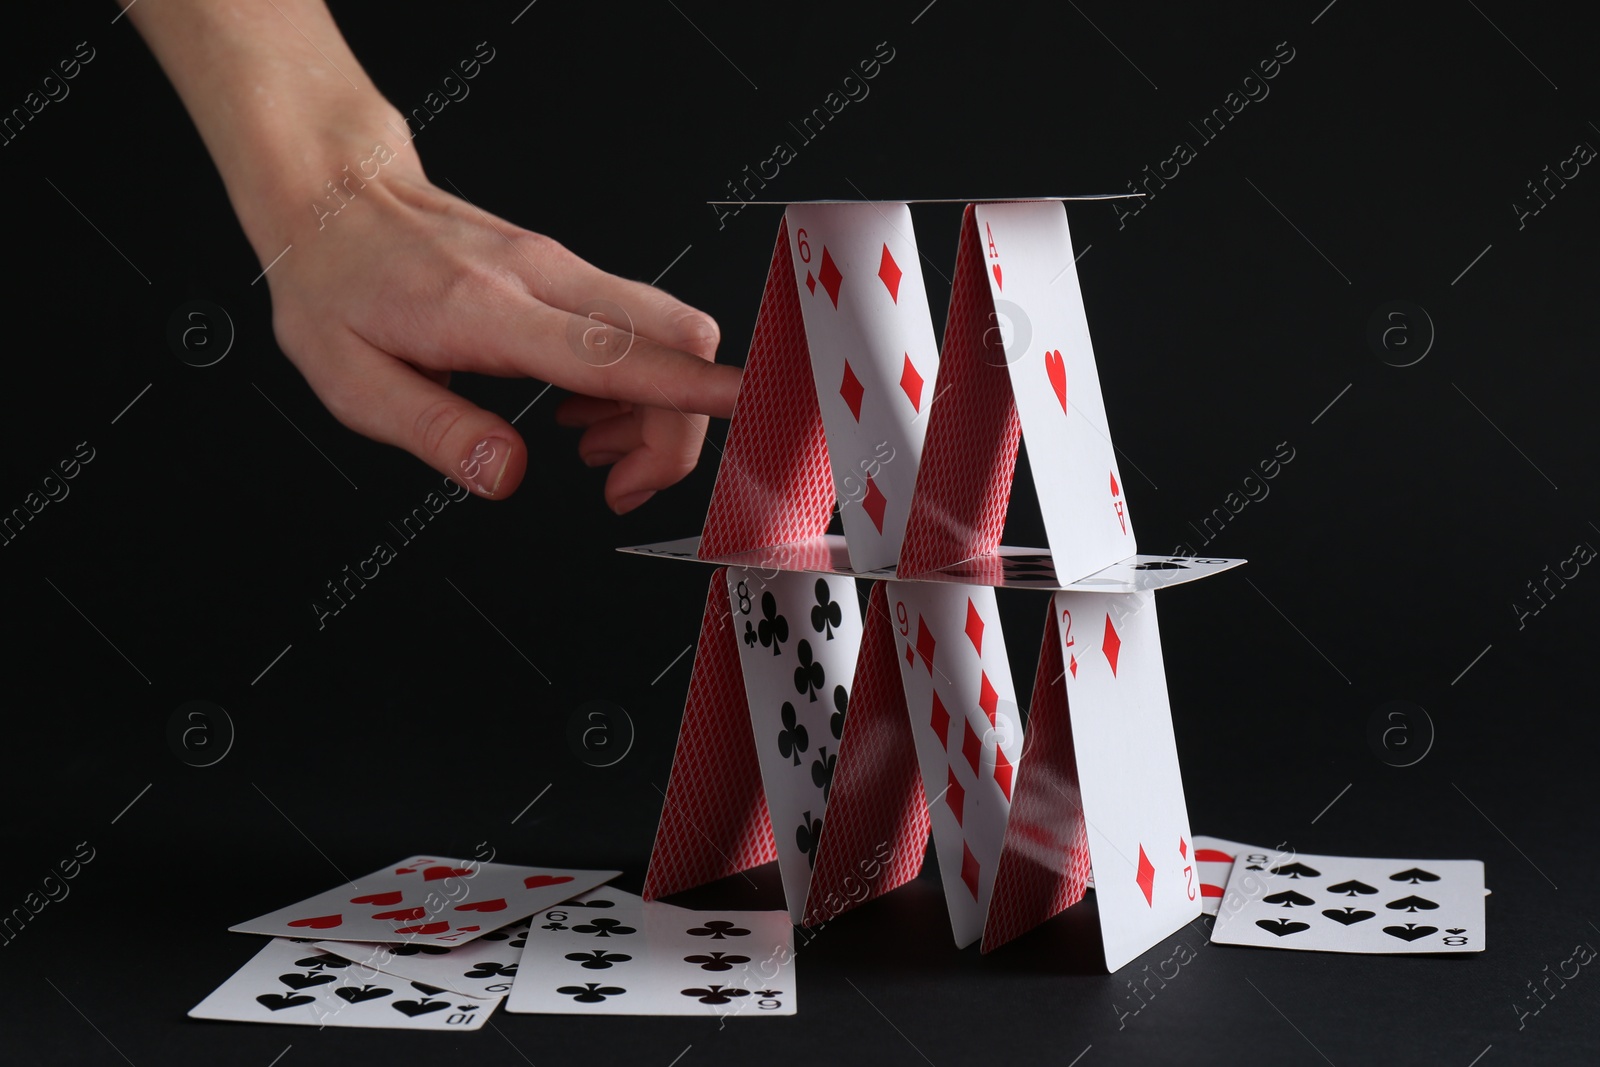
{"x":1004,"y":568}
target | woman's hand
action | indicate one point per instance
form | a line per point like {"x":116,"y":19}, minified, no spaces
{"x":384,"y":284}
{"x":408,"y":283}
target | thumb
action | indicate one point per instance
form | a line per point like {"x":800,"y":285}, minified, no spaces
{"x":388,"y":400}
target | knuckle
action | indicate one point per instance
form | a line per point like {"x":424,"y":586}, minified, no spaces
{"x":537,"y":246}
{"x":608,"y":338}
{"x":435,"y":423}
{"x":685,"y":460}
{"x":342,"y":404}
{"x":467,"y":280}
{"x":294,"y":333}
{"x":699,"y":331}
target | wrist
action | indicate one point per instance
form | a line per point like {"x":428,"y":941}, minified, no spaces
{"x":296,"y":174}
{"x":280,"y":101}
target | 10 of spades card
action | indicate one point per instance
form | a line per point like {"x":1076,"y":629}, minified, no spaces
{"x":483,"y":967}
{"x":291,"y":981}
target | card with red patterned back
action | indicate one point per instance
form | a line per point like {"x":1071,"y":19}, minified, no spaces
{"x":877,"y":829}
{"x":714,"y":818}
{"x":773,"y":485}
{"x":970,"y":453}
{"x":1044,"y":862}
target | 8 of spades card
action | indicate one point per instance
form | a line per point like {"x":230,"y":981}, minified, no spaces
{"x":1355,"y":904}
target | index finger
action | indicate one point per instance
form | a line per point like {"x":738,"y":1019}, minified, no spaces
{"x":595,"y":358}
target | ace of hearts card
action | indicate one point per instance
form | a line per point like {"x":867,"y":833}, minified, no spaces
{"x":1034,"y":284}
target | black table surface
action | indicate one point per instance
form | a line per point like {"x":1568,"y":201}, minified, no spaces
{"x":1442,"y":473}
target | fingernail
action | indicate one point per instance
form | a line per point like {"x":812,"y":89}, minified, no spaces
{"x":486,"y":465}
{"x":602,"y":459}
{"x":633,"y":500}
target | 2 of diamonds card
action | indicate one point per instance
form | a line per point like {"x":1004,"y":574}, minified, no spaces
{"x":1354,"y":904}
{"x":427,"y":899}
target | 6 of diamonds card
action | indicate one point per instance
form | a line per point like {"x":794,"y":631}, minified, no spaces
{"x":874,"y":359}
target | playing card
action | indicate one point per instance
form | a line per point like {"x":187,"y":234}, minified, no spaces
{"x":799,"y":635}
{"x":1044,"y":862}
{"x":481,"y":968}
{"x":1355,"y":904}
{"x":773,"y":484}
{"x":874,"y":359}
{"x":1145,"y":878}
{"x":1034,"y":283}
{"x":1215,"y":857}
{"x":967,"y":730}
{"x":290,"y":981}
{"x":969,"y":455}
{"x":877,"y":828}
{"x":426,"y":900}
{"x":1032,"y":568}
{"x":714,"y":820}
{"x":1006,"y":567}
{"x":648,"y":958}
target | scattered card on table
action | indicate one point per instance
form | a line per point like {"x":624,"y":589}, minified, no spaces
{"x":1215,"y":857}
{"x":293,"y":982}
{"x":481,"y":968}
{"x":656,"y":959}
{"x":1355,"y":904}
{"x":427,"y":900}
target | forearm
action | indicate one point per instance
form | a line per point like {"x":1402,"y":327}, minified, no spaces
{"x":279,"y":99}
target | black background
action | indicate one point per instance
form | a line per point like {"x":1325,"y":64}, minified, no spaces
{"x":428,"y":714}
